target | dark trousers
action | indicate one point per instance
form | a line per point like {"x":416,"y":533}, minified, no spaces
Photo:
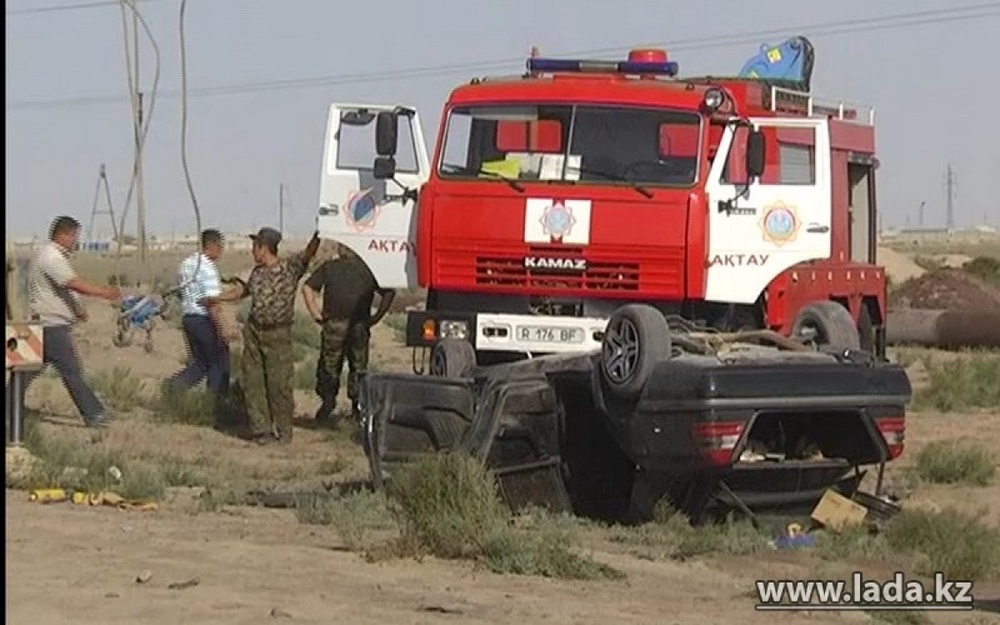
{"x":209,"y":357}
{"x":59,"y":351}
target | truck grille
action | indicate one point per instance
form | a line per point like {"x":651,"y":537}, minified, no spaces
{"x":599,"y":275}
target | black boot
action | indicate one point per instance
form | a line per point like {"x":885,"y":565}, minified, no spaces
{"x":326,"y":414}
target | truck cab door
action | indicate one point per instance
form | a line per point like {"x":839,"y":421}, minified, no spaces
{"x":759,"y":228}
{"x":372,"y":217}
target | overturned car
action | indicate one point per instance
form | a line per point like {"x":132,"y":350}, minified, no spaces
{"x":711,"y":422}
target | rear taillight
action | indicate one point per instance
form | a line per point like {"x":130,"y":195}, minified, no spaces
{"x":893,"y":430}
{"x":717,"y":441}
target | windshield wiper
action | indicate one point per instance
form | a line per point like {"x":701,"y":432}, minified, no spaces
{"x":643,"y":191}
{"x":456,"y":169}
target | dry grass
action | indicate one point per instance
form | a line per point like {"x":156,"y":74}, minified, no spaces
{"x":960,"y":545}
{"x":962,"y":383}
{"x":119,"y":388}
{"x":671,"y":536}
{"x":447,"y":506}
{"x":953,"y":462}
{"x":96,"y":467}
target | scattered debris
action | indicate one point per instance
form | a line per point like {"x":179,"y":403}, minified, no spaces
{"x":81,"y":498}
{"x":277,"y":613}
{"x":836,"y":512}
{"x":190,"y":583}
{"x":111,"y":595}
{"x":440,"y":609}
{"x":795,"y":538}
{"x":144,"y":576}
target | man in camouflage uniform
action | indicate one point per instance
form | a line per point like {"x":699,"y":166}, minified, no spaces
{"x":268,"y":363}
{"x":348,"y":288}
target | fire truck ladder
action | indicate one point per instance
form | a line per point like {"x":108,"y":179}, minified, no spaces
{"x":785,"y":100}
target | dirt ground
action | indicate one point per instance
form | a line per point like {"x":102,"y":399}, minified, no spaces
{"x":75,"y":564}
{"x":947,"y":289}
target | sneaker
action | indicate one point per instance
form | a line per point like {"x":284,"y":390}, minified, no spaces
{"x":99,"y":422}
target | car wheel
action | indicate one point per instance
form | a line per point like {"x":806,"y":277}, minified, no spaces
{"x":827,"y":324}
{"x":636,"y":338}
{"x":452,"y":358}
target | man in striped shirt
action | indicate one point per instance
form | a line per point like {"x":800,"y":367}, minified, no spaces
{"x":205,"y":329}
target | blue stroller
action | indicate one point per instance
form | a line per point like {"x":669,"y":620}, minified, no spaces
{"x":137,"y":312}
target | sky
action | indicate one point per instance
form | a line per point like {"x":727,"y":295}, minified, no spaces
{"x":67,"y":112}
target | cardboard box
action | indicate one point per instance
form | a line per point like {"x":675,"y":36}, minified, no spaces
{"x":836,"y":512}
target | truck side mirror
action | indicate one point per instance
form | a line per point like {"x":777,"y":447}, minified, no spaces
{"x":386,"y":134}
{"x":384,"y":168}
{"x":755,"y":155}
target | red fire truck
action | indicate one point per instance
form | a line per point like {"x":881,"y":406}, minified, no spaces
{"x":555,"y":197}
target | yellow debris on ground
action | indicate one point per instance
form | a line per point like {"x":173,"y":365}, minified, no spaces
{"x":103,"y":498}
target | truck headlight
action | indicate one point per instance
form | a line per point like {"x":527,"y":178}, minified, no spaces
{"x":453,"y":330}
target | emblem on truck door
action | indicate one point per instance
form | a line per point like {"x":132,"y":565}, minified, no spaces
{"x":362,"y":210}
{"x":780,"y":223}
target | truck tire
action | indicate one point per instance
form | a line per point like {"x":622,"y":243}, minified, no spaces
{"x":452,"y":358}
{"x":636,"y":338}
{"x":832,"y":323}
{"x":866,"y":330}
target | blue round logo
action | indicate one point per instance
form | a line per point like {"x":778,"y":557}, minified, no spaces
{"x":362,"y":210}
{"x":780,"y":224}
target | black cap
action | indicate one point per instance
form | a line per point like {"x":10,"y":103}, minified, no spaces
{"x":267,"y":236}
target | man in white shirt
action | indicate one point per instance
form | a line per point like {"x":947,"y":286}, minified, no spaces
{"x":204,"y":327}
{"x":54,"y":300}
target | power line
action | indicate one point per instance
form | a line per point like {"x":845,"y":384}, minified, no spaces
{"x":58,"y":8}
{"x":886,"y":22}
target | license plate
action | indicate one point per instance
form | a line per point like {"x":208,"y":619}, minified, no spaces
{"x":541,"y":334}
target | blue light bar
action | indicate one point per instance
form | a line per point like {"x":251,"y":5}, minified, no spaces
{"x":647,"y":68}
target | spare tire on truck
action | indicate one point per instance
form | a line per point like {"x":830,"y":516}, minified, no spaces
{"x":831,"y":324}
{"x":452,"y":358}
{"x":636,"y":338}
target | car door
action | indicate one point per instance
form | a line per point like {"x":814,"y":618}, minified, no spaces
{"x":760,"y":229}
{"x":511,"y":424}
{"x":367,"y":215}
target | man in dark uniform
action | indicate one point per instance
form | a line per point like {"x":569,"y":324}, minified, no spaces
{"x":348,"y":288}
{"x":268,"y":362}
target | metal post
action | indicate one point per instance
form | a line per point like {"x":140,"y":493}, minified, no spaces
{"x":15,"y":406}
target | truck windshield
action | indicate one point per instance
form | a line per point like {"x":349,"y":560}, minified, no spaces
{"x":572,"y":143}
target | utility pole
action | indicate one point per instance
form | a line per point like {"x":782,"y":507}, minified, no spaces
{"x":950,"y":189}
{"x":281,"y":207}
{"x":102,"y":182}
{"x":920,"y":215}
{"x":140,"y":200}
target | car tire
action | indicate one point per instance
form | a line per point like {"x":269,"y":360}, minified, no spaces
{"x":636,"y":338}
{"x":833,"y":325}
{"x":452,"y":358}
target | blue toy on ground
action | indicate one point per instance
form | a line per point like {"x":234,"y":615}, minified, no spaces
{"x":137,"y":312}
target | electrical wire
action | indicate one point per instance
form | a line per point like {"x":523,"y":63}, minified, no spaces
{"x":140,"y":127}
{"x":184,"y":155}
{"x":887,"y":22}
{"x":58,"y":8}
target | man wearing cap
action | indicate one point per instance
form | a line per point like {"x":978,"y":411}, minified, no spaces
{"x":268,"y":363}
{"x":349,"y":289}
